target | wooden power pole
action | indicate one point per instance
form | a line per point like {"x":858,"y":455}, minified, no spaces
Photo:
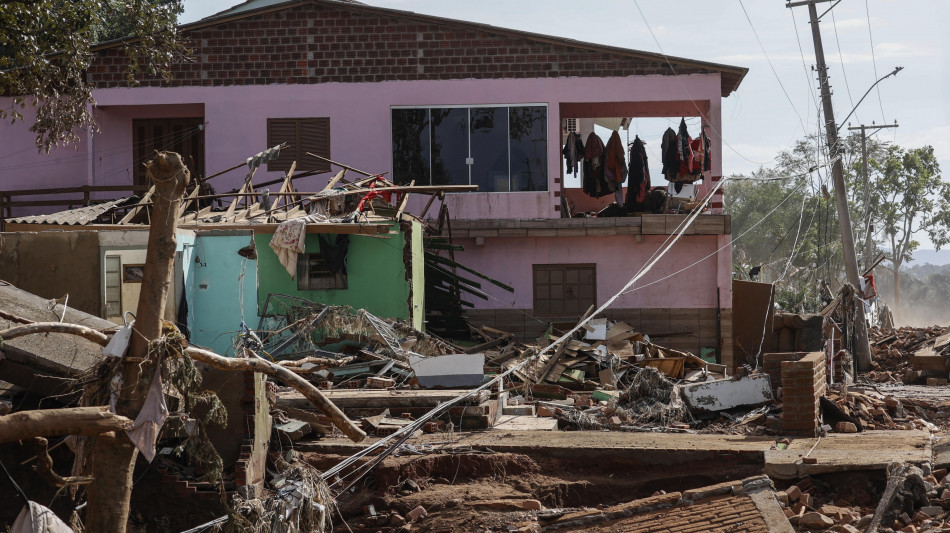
{"x":868,"y":246}
{"x":862,"y":350}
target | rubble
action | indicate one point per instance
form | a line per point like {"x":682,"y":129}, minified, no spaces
{"x":895,"y":354}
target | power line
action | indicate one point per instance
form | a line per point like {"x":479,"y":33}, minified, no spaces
{"x":880,"y":102}
{"x":676,"y":75}
{"x":771,"y":66}
{"x":801,"y":51}
{"x":844,"y":74}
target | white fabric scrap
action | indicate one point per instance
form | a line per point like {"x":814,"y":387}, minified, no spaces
{"x":34,"y":518}
{"x":290,"y":239}
{"x":119,"y":342}
{"x":148,"y":423}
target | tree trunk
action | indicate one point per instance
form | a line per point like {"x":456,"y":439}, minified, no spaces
{"x":25,"y":425}
{"x":897,"y":287}
{"x":113,"y":459}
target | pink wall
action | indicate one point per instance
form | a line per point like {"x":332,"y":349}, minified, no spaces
{"x":359,"y":123}
{"x":618,"y":258}
{"x":23,"y":167}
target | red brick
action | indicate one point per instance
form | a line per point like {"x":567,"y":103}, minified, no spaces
{"x":237,"y":49}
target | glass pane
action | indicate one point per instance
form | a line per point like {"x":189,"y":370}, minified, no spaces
{"x":411,"y":146}
{"x":449,"y":146}
{"x":490,"y":148}
{"x":529,"y":142}
{"x":112,"y":263}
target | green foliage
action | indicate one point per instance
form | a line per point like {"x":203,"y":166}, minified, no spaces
{"x":47,"y":49}
{"x":902,"y":194}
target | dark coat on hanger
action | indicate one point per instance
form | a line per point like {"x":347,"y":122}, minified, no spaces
{"x":639,"y":176}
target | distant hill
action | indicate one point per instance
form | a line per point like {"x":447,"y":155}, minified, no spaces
{"x":934,"y":257}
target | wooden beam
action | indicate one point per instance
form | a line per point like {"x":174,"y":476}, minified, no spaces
{"x":341,"y":165}
{"x":402,"y":204}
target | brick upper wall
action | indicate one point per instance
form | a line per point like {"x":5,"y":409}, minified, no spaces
{"x":314,"y":43}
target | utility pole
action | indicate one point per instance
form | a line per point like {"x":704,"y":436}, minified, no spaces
{"x":868,"y":248}
{"x":862,"y":350}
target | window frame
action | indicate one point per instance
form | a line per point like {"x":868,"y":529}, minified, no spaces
{"x":118,"y":274}
{"x":340,"y":280}
{"x":304,"y":162}
{"x":470,"y":107}
{"x":564,"y":267}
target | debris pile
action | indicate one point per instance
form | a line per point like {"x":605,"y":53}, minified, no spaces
{"x":914,"y":499}
{"x":867,"y":408}
{"x":894,"y":351}
{"x":296,"y":500}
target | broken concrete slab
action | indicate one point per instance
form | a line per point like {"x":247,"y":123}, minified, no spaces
{"x":40,"y":362}
{"x":870,"y":450}
{"x":525,"y":423}
{"x":722,"y":394}
{"x":447,"y":371}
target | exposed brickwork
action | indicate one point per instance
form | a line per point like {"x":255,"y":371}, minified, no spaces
{"x":803,"y":383}
{"x":772,"y":365}
{"x":734,"y":514}
{"x":319,"y":44}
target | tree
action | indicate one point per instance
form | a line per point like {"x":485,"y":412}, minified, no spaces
{"x":47,"y":49}
{"x":912,"y":198}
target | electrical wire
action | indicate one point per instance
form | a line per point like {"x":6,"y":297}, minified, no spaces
{"x":880,"y":101}
{"x":721,"y":248}
{"x":801,"y":51}
{"x":685,"y":90}
{"x":772,"y":67}
{"x":404,"y":433}
{"x":165,"y":140}
{"x":844,"y":73}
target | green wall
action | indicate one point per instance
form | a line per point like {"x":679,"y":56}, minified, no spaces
{"x":376,"y":275}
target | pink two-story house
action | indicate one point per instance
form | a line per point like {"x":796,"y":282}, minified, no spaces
{"x":432,"y":100}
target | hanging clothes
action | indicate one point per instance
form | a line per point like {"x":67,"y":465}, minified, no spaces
{"x":595,"y":184}
{"x":671,"y":164}
{"x":697,"y":157}
{"x":615,"y":165}
{"x":288,"y":241}
{"x":639,"y":176}
{"x":707,"y":163}
{"x":684,"y":159}
{"x":35,"y":518}
{"x":149,"y":422}
{"x":573,"y":152}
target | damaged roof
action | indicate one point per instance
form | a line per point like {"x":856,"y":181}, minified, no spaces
{"x":80,"y":216}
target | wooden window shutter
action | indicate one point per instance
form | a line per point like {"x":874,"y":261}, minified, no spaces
{"x":314,"y":138}
{"x":283,"y":130}
{"x":303,"y":135}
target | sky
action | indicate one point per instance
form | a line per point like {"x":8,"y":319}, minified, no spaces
{"x":778,"y":101}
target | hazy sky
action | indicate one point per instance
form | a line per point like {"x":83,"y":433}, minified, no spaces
{"x":758,"y":119}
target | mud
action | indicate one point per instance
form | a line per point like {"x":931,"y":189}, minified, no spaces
{"x":483,"y":490}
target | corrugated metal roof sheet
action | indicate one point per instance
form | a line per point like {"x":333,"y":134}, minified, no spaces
{"x":75,"y":217}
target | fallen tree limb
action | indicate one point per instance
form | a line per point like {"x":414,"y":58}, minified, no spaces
{"x":25,"y":425}
{"x":302,"y":386}
{"x":54,"y":327}
{"x":209,"y":358}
